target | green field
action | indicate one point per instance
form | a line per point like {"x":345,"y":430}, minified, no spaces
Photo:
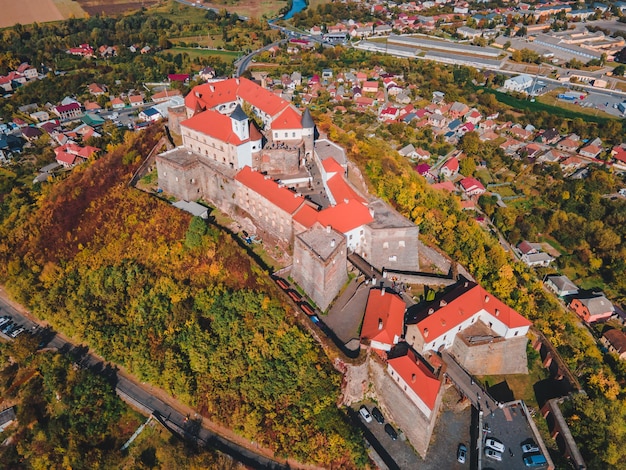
{"x":227,"y":56}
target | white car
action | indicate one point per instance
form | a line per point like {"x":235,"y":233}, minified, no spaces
{"x":17,"y":332}
{"x":526,"y":448}
{"x":365,"y":414}
{"x":493,"y":454}
{"x":494,"y":444}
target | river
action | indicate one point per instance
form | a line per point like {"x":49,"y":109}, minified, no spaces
{"x":296,"y":7}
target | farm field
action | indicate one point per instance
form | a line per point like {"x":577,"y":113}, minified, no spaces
{"x":113,"y":7}
{"x":28,"y":11}
{"x":249,"y":8}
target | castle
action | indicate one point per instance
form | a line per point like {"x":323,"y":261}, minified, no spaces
{"x":292,"y":185}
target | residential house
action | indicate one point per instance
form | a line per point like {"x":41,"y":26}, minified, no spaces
{"x":615,"y":341}
{"x":561,"y":285}
{"x":40,"y":116}
{"x":383,"y":323}
{"x":97,"y":89}
{"x":72,"y":154}
{"x":472,"y":187}
{"x":424,"y":170}
{"x":532,"y":255}
{"x":437,"y":121}
{"x":68,"y":111}
{"x":84,"y":50}
{"x":389,"y":113}
{"x":593,"y":308}
{"x":450,"y":169}
{"x":511,"y":146}
{"x":473,"y":117}
{"x":549,"y":137}
{"x":571,"y":164}
{"x":31,"y":133}
{"x":165,"y":95}
{"x":207,"y":73}
{"x":551,"y":156}
{"x":178,"y":77}
{"x":520,"y":133}
{"x":136,"y":100}
{"x":370,"y":87}
{"x":590,"y":151}
{"x":150,"y":115}
{"x":416,"y":378}
{"x":569,"y":143}
{"x":117,"y":103}
{"x":422,"y":154}
{"x":107,"y":51}
{"x":458,"y":110}
{"x":408,"y":151}
{"x":619,"y":155}
{"x":29,"y":72}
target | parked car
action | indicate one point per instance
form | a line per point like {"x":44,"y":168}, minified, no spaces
{"x":531,"y":447}
{"x":17,"y":332}
{"x":535,"y":460}
{"x":7,"y":327}
{"x":4,"y":320}
{"x":378,"y":416}
{"x":365,"y":414}
{"x":493,"y":454}
{"x":494,"y":444}
{"x":461,"y":453}
{"x":11,"y":329}
{"x":391,"y":432}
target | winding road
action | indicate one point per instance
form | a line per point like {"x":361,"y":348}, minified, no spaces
{"x":177,"y":417}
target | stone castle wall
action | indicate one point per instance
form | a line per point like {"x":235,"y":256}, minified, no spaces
{"x":499,"y":357}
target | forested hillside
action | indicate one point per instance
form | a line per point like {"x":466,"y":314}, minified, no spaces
{"x":176,"y":302}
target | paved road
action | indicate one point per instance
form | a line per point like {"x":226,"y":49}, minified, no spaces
{"x":243,"y":63}
{"x":148,"y":399}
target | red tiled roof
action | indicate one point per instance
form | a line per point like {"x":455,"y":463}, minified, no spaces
{"x":269,"y":189}
{"x":384,"y":317}
{"x":417,"y":376}
{"x":288,"y":119}
{"x":306,"y":216}
{"x":165,"y":94}
{"x":255,"y":134}
{"x":462,"y":303}
{"x":214,"y":124}
{"x":67,"y":107}
{"x":135,"y":99}
{"x":345,"y":216}
{"x":471,"y":184}
{"x":619,"y":153}
{"x":210,"y":95}
{"x":446,"y":185}
{"x":452,"y":164}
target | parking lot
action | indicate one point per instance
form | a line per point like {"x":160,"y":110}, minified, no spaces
{"x":453,"y":428}
{"x":510,"y":426}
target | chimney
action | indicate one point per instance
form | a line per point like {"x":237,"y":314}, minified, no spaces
{"x":237,"y":81}
{"x":497,"y":312}
{"x":425,"y":332}
{"x":443,"y":303}
{"x":466,"y":283}
{"x":486,"y":298}
{"x":332,"y":243}
{"x":212,"y":88}
{"x":382,"y":292}
{"x":328,"y":229}
{"x":431,"y":311}
{"x":380,"y":324}
{"x":413,"y":377}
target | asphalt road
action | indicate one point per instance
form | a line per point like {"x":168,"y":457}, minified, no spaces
{"x":144,"y":397}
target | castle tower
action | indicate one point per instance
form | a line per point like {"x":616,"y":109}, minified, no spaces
{"x":239,"y":121}
{"x":308,"y":133}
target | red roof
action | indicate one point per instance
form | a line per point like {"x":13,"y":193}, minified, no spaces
{"x":338,"y":186}
{"x":417,"y":376}
{"x":446,"y":185}
{"x":67,"y":107}
{"x":288,"y":119}
{"x":345,"y":216}
{"x":452,"y":164}
{"x":178,"y":77}
{"x":269,"y":189}
{"x":210,"y":95}
{"x":471,"y":184}
{"x":215,"y":125}
{"x":619,"y":153}
{"x":462,"y":303}
{"x":306,"y":216}
{"x":384,"y":317}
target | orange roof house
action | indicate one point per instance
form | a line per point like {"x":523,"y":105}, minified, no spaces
{"x":383,"y":323}
{"x":416,"y":379}
{"x":592,"y":309}
{"x":436,"y":325}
